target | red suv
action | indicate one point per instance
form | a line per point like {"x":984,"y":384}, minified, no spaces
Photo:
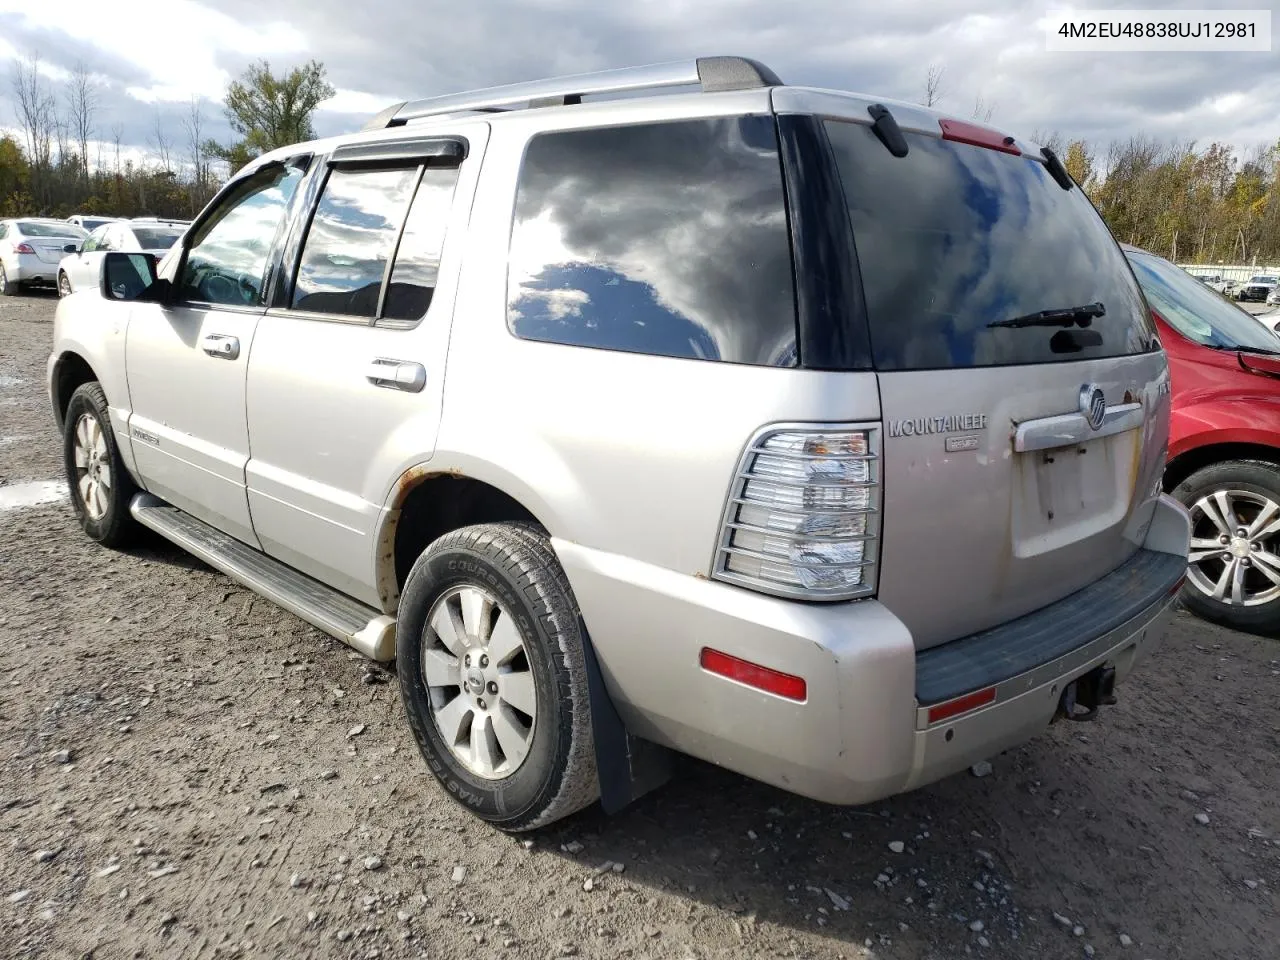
{"x":1224,"y":444}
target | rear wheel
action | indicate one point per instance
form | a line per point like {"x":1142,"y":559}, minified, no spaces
{"x":1233,"y":575}
{"x":8,"y":288}
{"x":492,"y":671}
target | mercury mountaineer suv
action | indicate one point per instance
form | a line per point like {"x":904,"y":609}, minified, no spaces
{"x":815,"y":435}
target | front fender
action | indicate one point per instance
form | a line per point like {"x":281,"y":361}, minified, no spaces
{"x":93,"y":330}
{"x":1240,"y":419}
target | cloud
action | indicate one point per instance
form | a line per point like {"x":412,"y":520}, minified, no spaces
{"x":388,"y":50}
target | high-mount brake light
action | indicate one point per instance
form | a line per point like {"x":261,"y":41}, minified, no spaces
{"x":977,"y":136}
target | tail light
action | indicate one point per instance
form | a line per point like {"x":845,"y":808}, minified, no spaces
{"x":24,"y":248}
{"x":803,"y":514}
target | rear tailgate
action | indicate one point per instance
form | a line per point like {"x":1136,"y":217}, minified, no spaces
{"x":1000,"y":496}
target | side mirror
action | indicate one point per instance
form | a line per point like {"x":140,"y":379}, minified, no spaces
{"x":127,"y":276}
{"x":71,"y":248}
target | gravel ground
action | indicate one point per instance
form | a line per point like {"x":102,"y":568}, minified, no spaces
{"x":190,"y":772}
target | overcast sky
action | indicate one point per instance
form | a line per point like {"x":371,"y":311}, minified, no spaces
{"x":149,"y":58}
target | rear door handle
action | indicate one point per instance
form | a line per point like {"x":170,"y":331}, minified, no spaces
{"x":397,"y":375}
{"x":220,"y":345}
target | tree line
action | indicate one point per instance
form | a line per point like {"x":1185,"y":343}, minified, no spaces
{"x":61,"y":163}
{"x":1190,"y":202}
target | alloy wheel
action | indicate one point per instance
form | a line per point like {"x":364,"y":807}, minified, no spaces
{"x":478,"y":677}
{"x":64,"y":285}
{"x":1235,"y":547}
{"x":93,"y":466}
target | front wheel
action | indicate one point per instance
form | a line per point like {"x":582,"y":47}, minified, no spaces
{"x":1233,"y":574}
{"x":490,"y":657}
{"x":64,"y":284}
{"x":101,"y":487}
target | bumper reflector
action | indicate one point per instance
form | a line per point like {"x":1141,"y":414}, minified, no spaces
{"x":754,"y":675}
{"x":953,"y":708}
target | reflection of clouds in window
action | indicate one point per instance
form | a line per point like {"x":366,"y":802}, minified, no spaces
{"x":413,"y":277}
{"x":952,"y":237}
{"x":236,"y":246}
{"x":661,"y":238}
{"x":350,"y":240}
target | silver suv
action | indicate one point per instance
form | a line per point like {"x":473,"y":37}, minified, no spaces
{"x":814,"y":435}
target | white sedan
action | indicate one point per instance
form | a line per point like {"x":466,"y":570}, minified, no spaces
{"x":79,"y":271}
{"x":30,"y":248}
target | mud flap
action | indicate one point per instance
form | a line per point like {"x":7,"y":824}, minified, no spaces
{"x":627,"y":766}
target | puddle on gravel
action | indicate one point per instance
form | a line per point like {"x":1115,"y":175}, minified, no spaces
{"x":15,"y":496}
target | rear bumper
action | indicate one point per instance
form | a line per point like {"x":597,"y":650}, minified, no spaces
{"x":863,"y":731}
{"x":30,"y":269}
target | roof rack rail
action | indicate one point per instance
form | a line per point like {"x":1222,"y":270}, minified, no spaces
{"x":713,"y":74}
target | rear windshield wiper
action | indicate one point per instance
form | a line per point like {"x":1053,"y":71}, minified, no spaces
{"x":1063,"y":317}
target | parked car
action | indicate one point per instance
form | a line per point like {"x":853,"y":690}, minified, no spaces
{"x":30,"y":249}
{"x":90,"y":223}
{"x":1273,"y":298}
{"x":81,"y":269}
{"x":1214,"y":281}
{"x":1258,"y":287}
{"x":698,"y":475}
{"x":1224,"y":444}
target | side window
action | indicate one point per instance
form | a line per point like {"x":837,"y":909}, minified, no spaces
{"x":668,"y":239}
{"x":227,"y":261}
{"x":4,"y":230}
{"x":369,"y":219}
{"x":351,"y":240}
{"x":93,"y":241}
{"x":413,"y":275}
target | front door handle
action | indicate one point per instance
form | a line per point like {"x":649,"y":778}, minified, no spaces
{"x":397,"y":375}
{"x":221,"y":346}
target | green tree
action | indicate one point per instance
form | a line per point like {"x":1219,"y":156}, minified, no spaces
{"x":1079,"y":163}
{"x":269,"y":111}
{"x":14,"y":176}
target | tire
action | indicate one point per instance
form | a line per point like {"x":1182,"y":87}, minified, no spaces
{"x":99,"y":475}
{"x":1250,"y":490}
{"x":64,"y":284}
{"x":551,"y":773}
{"x":8,"y":288}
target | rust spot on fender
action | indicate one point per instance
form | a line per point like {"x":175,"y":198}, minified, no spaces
{"x":388,"y":588}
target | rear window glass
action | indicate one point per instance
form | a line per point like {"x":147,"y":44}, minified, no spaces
{"x":952,"y":238}
{"x":32,"y":228}
{"x":152,"y":239}
{"x":662,"y":238}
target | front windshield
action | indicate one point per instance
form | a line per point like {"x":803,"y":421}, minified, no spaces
{"x":34,"y":228}
{"x":1196,"y":312}
{"x":1263,"y":280}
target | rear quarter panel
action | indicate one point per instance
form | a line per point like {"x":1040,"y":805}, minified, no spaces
{"x":622,"y":452}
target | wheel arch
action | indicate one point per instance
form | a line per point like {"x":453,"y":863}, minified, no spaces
{"x":1187,"y":462}
{"x":425,"y":504}
{"x":70,"y":371}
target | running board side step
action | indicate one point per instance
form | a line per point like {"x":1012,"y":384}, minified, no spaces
{"x":360,"y":627}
